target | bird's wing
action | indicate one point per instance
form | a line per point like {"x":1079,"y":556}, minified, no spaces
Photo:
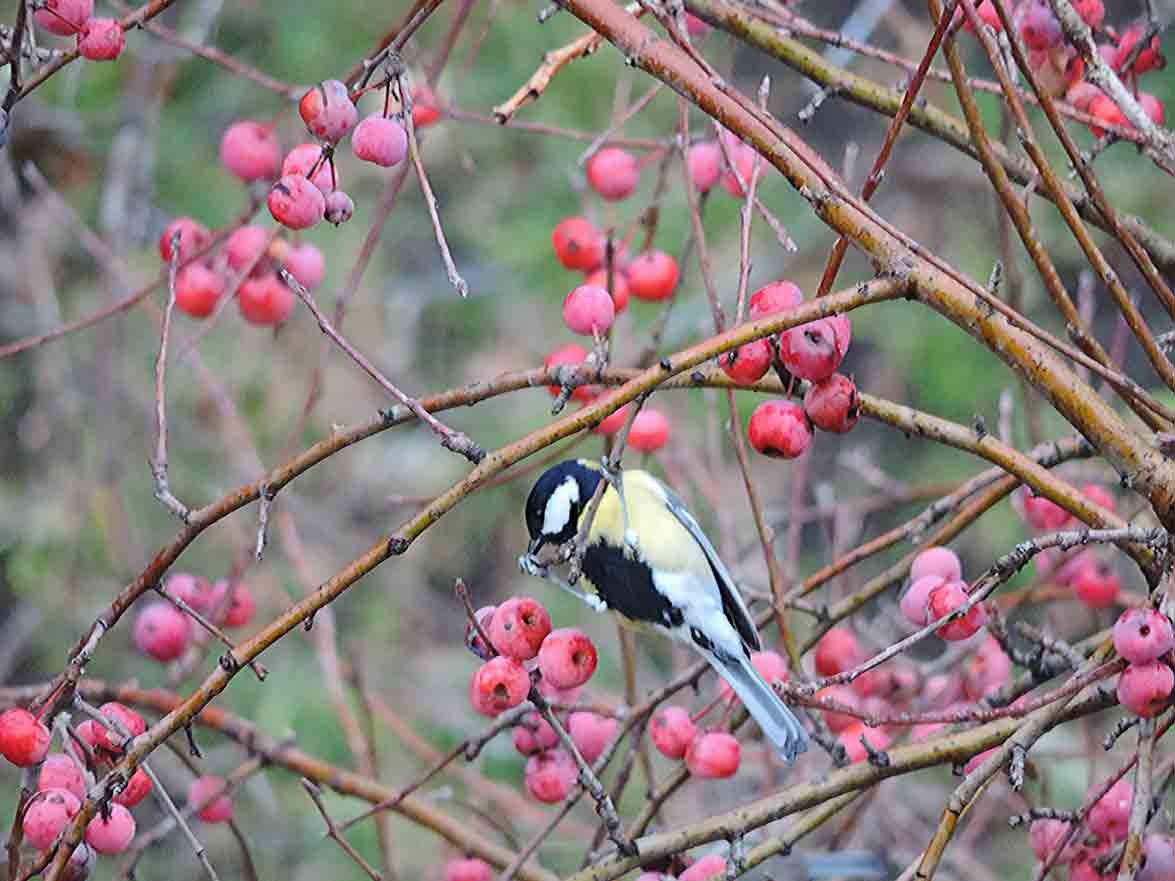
{"x":732,"y":601}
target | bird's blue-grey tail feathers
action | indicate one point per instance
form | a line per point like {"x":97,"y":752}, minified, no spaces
{"x":860,"y":865}
{"x":784,"y":730}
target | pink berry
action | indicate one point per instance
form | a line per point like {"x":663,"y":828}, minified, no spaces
{"x":1043,"y":514}
{"x":567,"y":658}
{"x":380,"y":140}
{"x":46,"y":816}
{"x":1110,"y":816}
{"x":1143,"y":635}
{"x":295,"y":202}
{"x":1152,"y":106}
{"x":135,"y":790}
{"x":307,"y":158}
{"x":842,"y":694}
{"x":1144,"y":688}
{"x":613,"y":422}
{"x":577,"y":244}
{"x":613,"y":173}
{"x":124,"y":717}
{"x":306,"y":263}
{"x":742,"y":156}
{"x":944,"y":600}
{"x":618,"y":289}
{"x":1045,"y":836}
{"x":713,"y":755}
{"x":198,"y":290}
{"x":250,"y":150}
{"x":1108,"y":112}
{"x":748,"y":363}
{"x":194,"y":237}
{"x":987,"y":670}
{"x":588,"y":310}
{"x":246,"y":246}
{"x":1092,"y":12}
{"x":473,"y":641}
{"x":101,"y":39}
{"x":672,"y":731}
{"x":770,"y":665}
{"x":238,"y":610}
{"x":836,"y":651}
{"x":1039,"y":27}
{"x":987,"y":14}
{"x":850,"y":739}
{"x":66,"y":17}
{"x":1081,"y":95}
{"x":571,"y":353}
{"x":779,"y":429}
{"x":111,"y":835}
{"x":60,"y":771}
{"x":426,"y":109}
{"x":1158,"y":858}
{"x":339,"y":208}
{"x":209,"y":791}
{"x":591,"y":733}
{"x":534,"y":734}
{"x":162,"y":631}
{"x":498,"y":685}
{"x":519,"y":627}
{"x":87,"y":731}
{"x":937,"y":561}
{"x":1150,"y":58}
{"x":652,"y":276}
{"x":916,"y":598}
{"x":24,"y":739}
{"x":563,"y":696}
{"x":705,"y":164}
{"x":550,"y":775}
{"x":1097,"y":585}
{"x":695,"y":26}
{"x":831,"y":404}
{"x":1098,"y":494}
{"x":778,"y":296}
{"x":814,"y":350}
{"x":708,"y":868}
{"x":649,"y":431}
{"x":470,"y":869}
{"x":265,"y":301}
{"x":328,"y":111}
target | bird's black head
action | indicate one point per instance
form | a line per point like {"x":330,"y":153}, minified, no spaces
{"x":556,"y":501}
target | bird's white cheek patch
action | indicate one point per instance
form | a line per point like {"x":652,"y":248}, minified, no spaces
{"x":558,"y":510}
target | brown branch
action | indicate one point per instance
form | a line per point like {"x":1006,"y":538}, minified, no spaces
{"x":331,"y":832}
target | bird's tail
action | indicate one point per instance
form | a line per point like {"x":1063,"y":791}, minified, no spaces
{"x":783,"y":729}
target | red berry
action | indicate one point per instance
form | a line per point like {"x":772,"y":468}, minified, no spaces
{"x":250,"y":150}
{"x":814,"y":350}
{"x":742,"y":157}
{"x":1045,"y":836}
{"x":473,"y":641}
{"x":1143,"y":635}
{"x":328,"y":111}
{"x":613,"y":422}
{"x":748,"y":363}
{"x":916,"y":598}
{"x":770,"y":665}
{"x":1043,"y":514}
{"x":710,"y":867}
{"x":842,"y":694}
{"x":778,"y":296}
{"x":1097,"y":585}
{"x":713,"y":755}
{"x":534,"y":734}
{"x":1109,"y":817}
{"x":124,"y":717}
{"x":111,"y":835}
{"x":850,"y":739}
{"x":339,"y":208}
{"x":779,"y":429}
{"x":1150,"y":58}
{"x":1144,"y":688}
{"x":613,"y":173}
{"x":162,"y":631}
{"x":619,"y":288}
{"x":550,"y":775}
{"x":987,"y":670}
{"x":705,"y":164}
{"x":380,"y":140}
{"x":60,"y":771}
{"x":937,"y":561}
{"x":1092,"y":12}
{"x":588,"y":310}
{"x":837,"y":651}
{"x":695,"y":26}
{"x":1039,"y":27}
{"x":265,"y":301}
{"x":24,"y":739}
{"x":1108,"y":112}
{"x":46,"y":816}
{"x":1152,"y":106}
{"x":1158,"y":858}
{"x":519,"y":627}
{"x":295,"y":202}
{"x":101,"y":39}
{"x":672,"y":731}
{"x":469,"y":869}
{"x":209,"y":791}
{"x":649,"y":431}
{"x":1081,"y":95}
{"x":66,"y":17}
{"x":306,"y":263}
{"x":425,"y":109}
{"x":194,"y":237}
{"x":571,"y":353}
{"x":306,"y":158}
{"x":567,"y":658}
{"x":831,"y":404}
{"x":498,"y":685}
{"x":944,"y":600}
{"x":987,"y":14}
{"x":652,"y":276}
{"x":240,"y":608}
{"x":577,"y":244}
{"x":135,"y":790}
{"x":198,"y":290}
{"x":88,"y":732}
{"x":245,"y":246}
{"x":591,"y":733}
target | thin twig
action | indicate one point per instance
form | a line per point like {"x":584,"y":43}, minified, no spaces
{"x":159,"y":463}
{"x":316,"y":796}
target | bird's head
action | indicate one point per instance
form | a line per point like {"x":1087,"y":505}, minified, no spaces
{"x":557,"y":499}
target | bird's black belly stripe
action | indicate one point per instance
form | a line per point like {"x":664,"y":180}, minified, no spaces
{"x":626,"y":585}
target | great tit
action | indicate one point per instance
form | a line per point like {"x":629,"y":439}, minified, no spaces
{"x":647,"y":560}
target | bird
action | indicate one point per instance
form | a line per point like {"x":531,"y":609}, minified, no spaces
{"x":648,"y":561}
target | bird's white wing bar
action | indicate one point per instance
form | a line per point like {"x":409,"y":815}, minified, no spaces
{"x":537,"y":569}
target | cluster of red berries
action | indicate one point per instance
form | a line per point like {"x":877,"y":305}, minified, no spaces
{"x":1145,"y":638}
{"x":707,"y":868}
{"x":522,"y":643}
{"x":1090,"y":856}
{"x":163,"y":632}
{"x":1092,"y":579}
{"x":99,"y":39}
{"x":936,"y":590}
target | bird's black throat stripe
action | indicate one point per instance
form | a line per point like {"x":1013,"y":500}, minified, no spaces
{"x":626,"y":586}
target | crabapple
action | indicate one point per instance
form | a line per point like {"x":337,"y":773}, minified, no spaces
{"x":591,"y":732}
{"x":1104,"y":108}
{"x":380,"y":140}
{"x":208,"y":794}
{"x":305,"y":158}
{"x":987,"y":14}
{"x":1041,"y":513}
{"x":814,"y":350}
{"x":1158,"y":858}
{"x":519,"y":627}
{"x":850,"y":739}
{"x":577,"y":244}
{"x":295,"y":202}
{"x":239,"y":608}
{"x":987,"y":669}
{"x":742,"y":158}
{"x":695,"y":26}
{"x":567,"y":658}
{"x":425,"y":109}
{"x":613,"y":173}
{"x":588,"y":310}
{"x":194,"y":237}
{"x":779,"y":429}
{"x":937,"y":561}
{"x":338,"y":208}
{"x":250,"y":150}
{"x":977,"y":760}
{"x":770,"y":665}
{"x":836,"y":651}
{"x":1097,"y":584}
{"x":707,"y":868}
{"x":498,"y":685}
{"x":469,"y":869}
{"x":1081,"y":94}
{"x":831,"y":404}
{"x":649,"y":430}
{"x":265,"y":301}
{"x":534,"y":734}
{"x":571,"y":353}
{"x":618,"y":289}
{"x":198,"y":289}
{"x":550,"y":775}
{"x":66,"y":17}
{"x":1045,"y":836}
{"x":162,"y":631}
{"x":124,"y":717}
{"x":749,"y":362}
{"x":60,"y":771}
{"x":672,"y":731}
{"x":1143,"y":635}
{"x":1150,"y":58}
{"x":1143,"y":689}
{"x":101,"y":39}
{"x":713,"y":755}
{"x":834,"y":719}
{"x":778,"y":296}
{"x":1097,"y":493}
{"x":917,"y":597}
{"x":613,"y":422}
{"x":1109,"y":817}
{"x":306,"y":263}
{"x":24,"y":739}
{"x":328,"y":111}
{"x":46,"y":816}
{"x":944,"y":600}
{"x":652,"y":276}
{"x":1039,"y":27}
{"x":1092,"y":12}
{"x":246,"y":246}
{"x":1152,"y":106}
{"x":136,"y":789}
{"x":110,"y":835}
{"x":87,"y":731}
{"x":473,"y":641}
{"x":705,"y":164}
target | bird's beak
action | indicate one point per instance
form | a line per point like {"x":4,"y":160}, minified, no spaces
{"x":536,"y":545}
